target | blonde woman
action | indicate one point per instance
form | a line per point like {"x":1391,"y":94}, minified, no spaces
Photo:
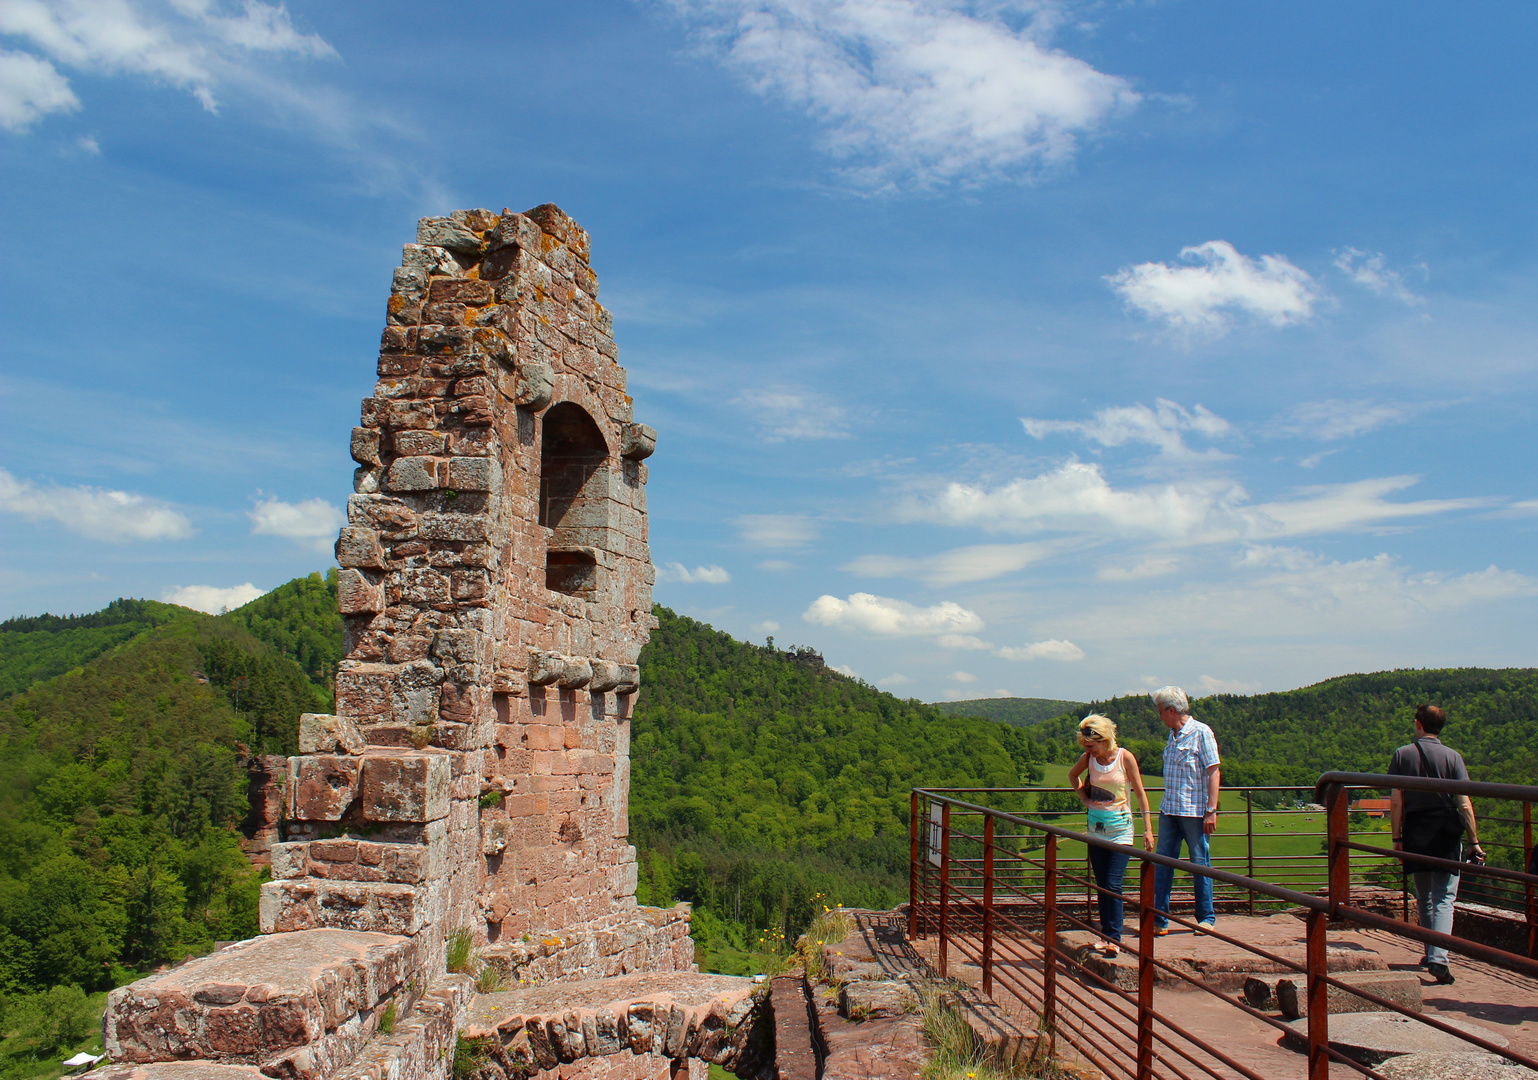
{"x":1102,"y":777}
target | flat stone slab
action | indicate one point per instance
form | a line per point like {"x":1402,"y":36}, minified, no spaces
{"x":257,"y":1000}
{"x":176,"y":1070}
{"x":1214,"y":962}
{"x":1402,"y":988}
{"x":1455,"y":1065}
{"x":675,"y":1014}
{"x":871,"y":1000}
{"x":1373,"y":1037}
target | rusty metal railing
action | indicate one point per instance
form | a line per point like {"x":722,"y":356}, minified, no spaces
{"x":997,"y":896}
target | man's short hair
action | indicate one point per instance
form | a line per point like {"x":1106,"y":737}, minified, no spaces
{"x":1431,"y":719}
{"x":1171,"y":697}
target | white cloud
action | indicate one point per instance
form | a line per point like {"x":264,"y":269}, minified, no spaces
{"x":776,"y":530}
{"x":194,"y":45}
{"x":1336,"y":419}
{"x":313,"y":522}
{"x":845,"y":669}
{"x":795,"y":414}
{"x":210,"y":598}
{"x":97,"y":513}
{"x":916,"y":91}
{"x":963,"y":677}
{"x":1162,"y":426}
{"x":961,"y":641}
{"x":768,"y":626}
{"x":1208,"y":685}
{"x":31,"y":87}
{"x":89,"y":145}
{"x":1051,"y":649}
{"x":882,"y":616}
{"x":897,"y":678}
{"x":775,"y":566}
{"x":979,"y":562}
{"x":706,"y":575}
{"x":1076,"y":497}
{"x":1151,"y":566}
{"x":1371,"y":270}
{"x":1221,"y":282}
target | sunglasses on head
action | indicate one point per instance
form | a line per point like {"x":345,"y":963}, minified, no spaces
{"x":1090,"y":734}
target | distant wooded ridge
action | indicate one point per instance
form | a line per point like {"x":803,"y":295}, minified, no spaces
{"x":1019,"y":711}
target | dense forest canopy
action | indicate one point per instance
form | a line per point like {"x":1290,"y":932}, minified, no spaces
{"x":1019,"y":711}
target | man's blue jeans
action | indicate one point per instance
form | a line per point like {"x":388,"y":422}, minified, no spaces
{"x":1172,"y":830}
{"x":1435,"y":895}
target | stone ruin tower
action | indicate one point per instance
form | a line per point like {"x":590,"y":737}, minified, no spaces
{"x":496,"y":590}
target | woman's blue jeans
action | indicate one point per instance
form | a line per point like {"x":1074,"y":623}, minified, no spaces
{"x":1172,"y":830}
{"x":1110,"y":868}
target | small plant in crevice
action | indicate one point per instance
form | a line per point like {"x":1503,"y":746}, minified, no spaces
{"x":460,"y":955}
{"x":470,"y":1056}
{"x":491,"y":800}
{"x":387,"y":1019}
{"x":489,"y":980}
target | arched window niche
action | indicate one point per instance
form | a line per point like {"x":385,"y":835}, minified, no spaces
{"x":573,"y":499}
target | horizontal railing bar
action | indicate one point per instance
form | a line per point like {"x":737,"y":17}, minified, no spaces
{"x":1517,"y":792}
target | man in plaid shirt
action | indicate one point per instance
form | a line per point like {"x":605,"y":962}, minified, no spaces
{"x":1189,"y":809}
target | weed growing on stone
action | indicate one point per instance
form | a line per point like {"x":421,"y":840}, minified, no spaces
{"x":491,"y":799}
{"x":470,"y":1056}
{"x":956,"y":1053}
{"x":387,"y":1019}
{"x":488,"y":980}
{"x":833,"y":925}
{"x":461,"y":951}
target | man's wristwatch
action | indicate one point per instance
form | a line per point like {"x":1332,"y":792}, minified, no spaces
{"x":1212,"y":810}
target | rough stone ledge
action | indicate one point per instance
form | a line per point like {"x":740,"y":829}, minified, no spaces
{"x":676,"y":1015}
{"x":362,"y":906}
{"x":175,"y":1070}
{"x":421,"y":1047}
{"x":256,"y":1001}
{"x":590,"y":950}
{"x":1223,"y":970}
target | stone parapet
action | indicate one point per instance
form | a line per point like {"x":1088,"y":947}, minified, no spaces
{"x":293,"y":1004}
{"x":643,"y":939}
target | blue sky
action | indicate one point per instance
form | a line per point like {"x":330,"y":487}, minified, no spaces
{"x":1044,"y":348}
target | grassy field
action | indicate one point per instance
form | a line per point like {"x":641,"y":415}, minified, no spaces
{"x":1287,"y":846}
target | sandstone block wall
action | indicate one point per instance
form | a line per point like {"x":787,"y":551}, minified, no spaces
{"x":495,"y":585}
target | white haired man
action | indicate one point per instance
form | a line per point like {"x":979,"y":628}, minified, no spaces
{"x":1189,"y":809}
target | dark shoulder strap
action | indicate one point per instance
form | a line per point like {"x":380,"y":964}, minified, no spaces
{"x":1426,"y":770}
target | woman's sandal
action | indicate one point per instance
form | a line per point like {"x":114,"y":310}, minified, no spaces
{"x":1110,"y":951}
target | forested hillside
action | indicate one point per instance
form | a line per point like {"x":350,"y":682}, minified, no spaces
{"x":1350,"y":723}
{"x":41,"y":646}
{"x":1019,"y":711}
{"x":760,"y":780}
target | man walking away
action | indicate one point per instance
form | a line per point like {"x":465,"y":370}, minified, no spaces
{"x":1189,"y":809}
{"x":1432,"y":823}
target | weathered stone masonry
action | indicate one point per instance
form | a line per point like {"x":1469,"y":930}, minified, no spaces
{"x":496,"y":587}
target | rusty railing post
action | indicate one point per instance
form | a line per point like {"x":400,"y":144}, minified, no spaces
{"x":913,"y":866}
{"x":1249,"y":840}
{"x":988,"y":906}
{"x":1338,"y":835}
{"x":1145,"y":971}
{"x":1049,"y":939}
{"x":1527,"y":862}
{"x":1318,"y":998}
{"x":945,"y":886}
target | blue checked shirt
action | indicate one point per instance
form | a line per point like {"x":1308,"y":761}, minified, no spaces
{"x":1188,"y":754}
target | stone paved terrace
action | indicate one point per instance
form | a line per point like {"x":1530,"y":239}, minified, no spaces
{"x":1496,"y":1001}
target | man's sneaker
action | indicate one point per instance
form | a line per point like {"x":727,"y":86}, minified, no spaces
{"x":1209,"y":925}
{"x":1441,"y":974}
{"x":1161,"y":931}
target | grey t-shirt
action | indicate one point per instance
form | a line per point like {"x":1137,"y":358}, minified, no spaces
{"x":1444,"y":761}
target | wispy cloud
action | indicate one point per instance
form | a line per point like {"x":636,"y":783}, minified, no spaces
{"x":194,"y":45}
{"x":917,"y":92}
{"x":313,"y":522}
{"x":776,"y":530}
{"x":1051,"y":649}
{"x":211,"y":598}
{"x":1164,"y":426}
{"x":1077,"y":498}
{"x":700,"y":575}
{"x":881,"y":616}
{"x":1335,"y":419}
{"x":798,"y":415}
{"x":1371,"y":270}
{"x":96,"y":513}
{"x":1151,"y":566}
{"x":979,"y":562}
{"x":1218,"y":284}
